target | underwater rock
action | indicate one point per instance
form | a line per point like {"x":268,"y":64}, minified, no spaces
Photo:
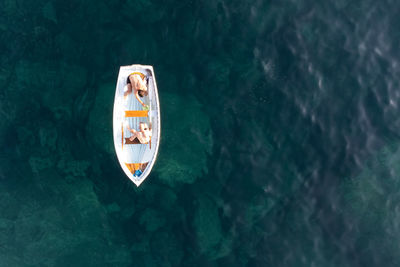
{"x":257,"y":210}
{"x":371,"y":207}
{"x":220,"y":70}
{"x":65,"y":44}
{"x":144,"y":258}
{"x":166,"y":250}
{"x":186,"y":140}
{"x":49,"y":12}
{"x":57,"y":84}
{"x":128,"y":212}
{"x":40,"y":163}
{"x":135,"y":47}
{"x":135,"y":9}
{"x":8,"y":205}
{"x":167,"y":199}
{"x":207,"y":225}
{"x":113,"y":207}
{"x":141,"y":246}
{"x":299,"y":233}
{"x":26,"y":136}
{"x":4,"y":76}
{"x":50,"y":75}
{"x":10,"y":7}
{"x":99,"y":128}
{"x":75,"y":168}
{"x":48,"y":136}
{"x":138,"y":6}
{"x":5,"y":226}
{"x":151,"y":220}
{"x":72,"y":227}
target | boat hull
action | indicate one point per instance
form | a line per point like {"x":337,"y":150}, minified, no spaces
{"x":136,"y":159}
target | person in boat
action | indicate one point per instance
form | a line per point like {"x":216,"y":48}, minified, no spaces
{"x":137,"y":84}
{"x":143,"y":136}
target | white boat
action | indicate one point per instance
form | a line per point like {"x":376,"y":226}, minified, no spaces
{"x":136,"y":159}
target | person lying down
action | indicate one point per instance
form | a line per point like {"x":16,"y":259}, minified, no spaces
{"x":136,"y":84}
{"x":142,"y":136}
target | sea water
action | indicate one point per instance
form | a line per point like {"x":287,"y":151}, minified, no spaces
{"x":279,"y":142}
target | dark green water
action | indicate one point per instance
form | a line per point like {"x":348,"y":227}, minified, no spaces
{"x":280,"y":135}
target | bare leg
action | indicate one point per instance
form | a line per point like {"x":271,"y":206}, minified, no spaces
{"x":131,"y":130}
{"x":133,"y":136}
{"x":134,"y":133}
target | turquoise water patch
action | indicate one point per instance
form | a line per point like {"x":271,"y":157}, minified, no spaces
{"x":370,"y":199}
{"x":186,"y":140}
